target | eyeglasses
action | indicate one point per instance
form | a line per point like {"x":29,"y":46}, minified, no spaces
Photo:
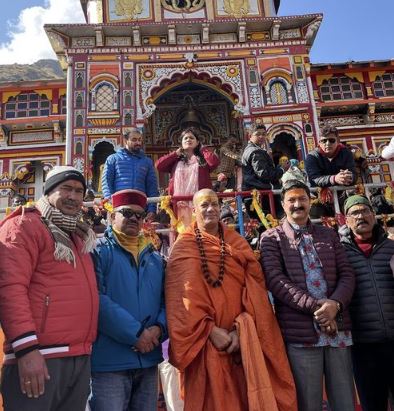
{"x":363,"y":212}
{"x":129,"y":213}
{"x":328,"y":140}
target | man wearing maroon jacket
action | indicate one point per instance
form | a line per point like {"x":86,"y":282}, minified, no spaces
{"x":312,"y":284}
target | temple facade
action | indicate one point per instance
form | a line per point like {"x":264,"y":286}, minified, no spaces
{"x":162,"y":65}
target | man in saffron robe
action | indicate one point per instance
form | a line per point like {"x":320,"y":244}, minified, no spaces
{"x":224,"y":337}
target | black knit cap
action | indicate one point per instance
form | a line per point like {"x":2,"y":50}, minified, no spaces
{"x":59,"y":174}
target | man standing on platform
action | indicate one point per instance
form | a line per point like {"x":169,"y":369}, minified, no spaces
{"x":372,"y":307}
{"x":48,"y":299}
{"x":224,"y":337}
{"x":312,"y":284}
{"x":130,"y":168}
{"x":132,"y":321}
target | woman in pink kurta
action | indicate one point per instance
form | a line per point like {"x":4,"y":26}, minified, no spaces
{"x":189,"y":167}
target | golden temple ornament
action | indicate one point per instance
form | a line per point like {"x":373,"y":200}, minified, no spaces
{"x":183,"y":6}
{"x":237,"y":8}
{"x":128,"y":8}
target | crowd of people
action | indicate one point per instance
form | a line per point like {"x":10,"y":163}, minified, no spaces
{"x":88,"y":321}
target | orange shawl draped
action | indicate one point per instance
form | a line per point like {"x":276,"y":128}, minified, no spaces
{"x":214,"y":380}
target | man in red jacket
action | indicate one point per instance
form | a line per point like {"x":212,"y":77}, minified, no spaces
{"x":312,"y":283}
{"x":48,"y":299}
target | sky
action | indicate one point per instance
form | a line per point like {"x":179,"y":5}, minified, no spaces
{"x":356,"y":30}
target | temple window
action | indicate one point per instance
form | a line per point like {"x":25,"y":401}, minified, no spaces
{"x":341,"y":88}
{"x":278,"y":93}
{"x":79,"y":120}
{"x":104,"y":97}
{"x":127,"y":80}
{"x":27,"y":105}
{"x":63,"y":105}
{"x":384,"y":85}
{"x":127,"y":98}
{"x":127,"y":119}
{"x":79,"y":80}
{"x":79,"y":100}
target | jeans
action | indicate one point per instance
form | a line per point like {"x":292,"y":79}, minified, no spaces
{"x":130,"y":390}
{"x":310,"y":364}
{"x":374,"y":374}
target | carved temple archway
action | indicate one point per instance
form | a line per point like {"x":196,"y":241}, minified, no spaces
{"x":186,"y":103}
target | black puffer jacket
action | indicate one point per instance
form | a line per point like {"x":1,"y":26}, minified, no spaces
{"x":320,"y":169}
{"x":372,"y":306}
{"x":258,"y":169}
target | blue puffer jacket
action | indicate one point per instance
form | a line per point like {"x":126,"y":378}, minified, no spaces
{"x":125,"y":169}
{"x":129,"y":294}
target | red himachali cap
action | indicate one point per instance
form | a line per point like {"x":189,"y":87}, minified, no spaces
{"x":129,"y":197}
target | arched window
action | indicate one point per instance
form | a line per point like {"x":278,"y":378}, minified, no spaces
{"x":79,"y":101}
{"x":79,"y":120}
{"x":78,"y":148}
{"x":127,"y":80}
{"x":384,"y":85}
{"x":79,"y":80}
{"x":308,"y":128}
{"x":127,"y":99}
{"x":127,"y":119}
{"x":278,"y":93}
{"x":104,"y":97}
{"x":63,"y":105}
{"x":341,"y":88}
{"x":27,"y":105}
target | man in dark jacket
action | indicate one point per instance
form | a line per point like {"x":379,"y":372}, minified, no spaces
{"x":258,"y":169}
{"x":130,"y":168}
{"x":331,"y":163}
{"x":312,"y":284}
{"x":132,"y":320}
{"x":372,"y":307}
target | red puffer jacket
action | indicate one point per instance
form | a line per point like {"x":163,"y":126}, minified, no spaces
{"x":44,"y":303}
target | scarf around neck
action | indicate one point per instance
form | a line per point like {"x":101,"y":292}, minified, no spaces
{"x":61,"y":227}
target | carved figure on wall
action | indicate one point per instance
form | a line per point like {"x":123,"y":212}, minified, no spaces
{"x":237,"y":8}
{"x":128,"y":8}
{"x":183,"y":6}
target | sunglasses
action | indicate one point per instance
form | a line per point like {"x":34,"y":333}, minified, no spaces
{"x":328,"y":140}
{"x":129,"y":213}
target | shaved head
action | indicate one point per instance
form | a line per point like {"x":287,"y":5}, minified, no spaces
{"x":207,"y":210}
{"x":205,"y":192}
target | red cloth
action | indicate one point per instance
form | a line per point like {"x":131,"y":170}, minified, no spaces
{"x":44,"y":301}
{"x":365,"y":246}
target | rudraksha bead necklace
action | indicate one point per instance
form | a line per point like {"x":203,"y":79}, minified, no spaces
{"x":204,"y":263}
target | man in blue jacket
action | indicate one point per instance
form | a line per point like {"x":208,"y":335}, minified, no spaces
{"x":132,"y":321}
{"x":130,"y":168}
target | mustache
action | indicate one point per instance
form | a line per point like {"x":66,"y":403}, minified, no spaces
{"x":297,"y":209}
{"x":361,"y":222}
{"x":70,"y":202}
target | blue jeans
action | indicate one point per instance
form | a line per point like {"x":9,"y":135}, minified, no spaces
{"x":310,"y":364}
{"x":130,"y":390}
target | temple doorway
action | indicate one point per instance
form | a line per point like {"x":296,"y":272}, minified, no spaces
{"x":284,"y":144}
{"x":100,"y":153}
{"x":192,"y":104}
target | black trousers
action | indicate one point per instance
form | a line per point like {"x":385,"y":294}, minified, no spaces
{"x":67,"y":390}
{"x":373,"y":366}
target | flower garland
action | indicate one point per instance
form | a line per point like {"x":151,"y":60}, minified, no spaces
{"x":204,"y":263}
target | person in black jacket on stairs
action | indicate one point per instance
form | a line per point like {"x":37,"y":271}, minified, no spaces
{"x":372,"y":307}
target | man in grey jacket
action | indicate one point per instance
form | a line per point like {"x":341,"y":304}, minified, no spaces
{"x":372,"y":307}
